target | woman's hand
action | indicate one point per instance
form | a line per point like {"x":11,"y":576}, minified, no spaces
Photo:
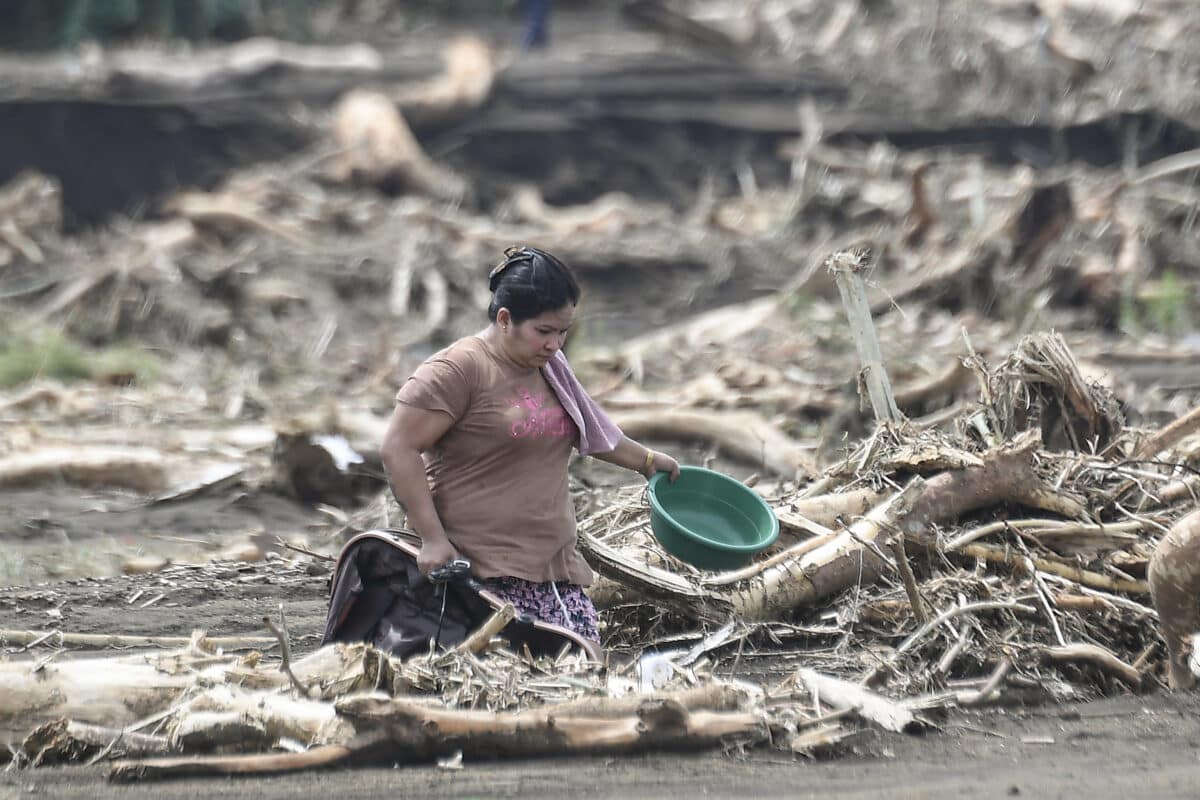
{"x":661,"y":462}
{"x":435,"y":553}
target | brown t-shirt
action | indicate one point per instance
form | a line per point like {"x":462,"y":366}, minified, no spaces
{"x":499,"y":475}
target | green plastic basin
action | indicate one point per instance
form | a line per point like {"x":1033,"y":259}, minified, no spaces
{"x":709,"y":519}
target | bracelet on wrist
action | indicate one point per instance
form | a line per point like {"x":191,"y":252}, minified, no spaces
{"x":649,"y":463}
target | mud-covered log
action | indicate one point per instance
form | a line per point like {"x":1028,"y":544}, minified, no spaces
{"x":1175,"y":587}
{"x":398,"y":730}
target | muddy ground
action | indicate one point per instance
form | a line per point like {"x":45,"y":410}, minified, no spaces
{"x":1117,"y":747}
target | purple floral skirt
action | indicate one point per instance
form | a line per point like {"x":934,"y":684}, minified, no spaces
{"x":569,"y":607}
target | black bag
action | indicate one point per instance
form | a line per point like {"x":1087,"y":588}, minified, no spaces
{"x":378,"y":595}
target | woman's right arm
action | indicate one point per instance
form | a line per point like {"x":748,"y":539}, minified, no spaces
{"x":410,"y":432}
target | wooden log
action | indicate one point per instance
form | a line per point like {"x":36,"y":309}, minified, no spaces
{"x":1097,"y":656}
{"x":1169,"y":436}
{"x":742,"y":435}
{"x":138,"y":468}
{"x":131,"y":771}
{"x":1174,"y":575}
{"x":656,"y":724}
{"x":856,"y":553}
{"x":710,"y":696}
{"x":19,"y":638}
{"x":65,"y":741}
{"x":830,"y":568}
{"x":873,"y":707}
{"x":213,"y":718}
{"x":832,"y":509}
{"x":115,"y":691}
{"x":397,"y":730}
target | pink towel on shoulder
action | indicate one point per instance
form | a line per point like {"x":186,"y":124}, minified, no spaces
{"x":597,"y":432}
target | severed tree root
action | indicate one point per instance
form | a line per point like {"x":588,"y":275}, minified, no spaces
{"x":1175,"y":587}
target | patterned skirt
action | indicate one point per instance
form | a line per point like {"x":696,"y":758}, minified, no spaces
{"x":559,"y":603}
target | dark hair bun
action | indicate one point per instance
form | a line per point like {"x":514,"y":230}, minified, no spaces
{"x":529,"y":282}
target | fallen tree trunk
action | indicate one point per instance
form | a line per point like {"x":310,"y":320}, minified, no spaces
{"x":68,"y":741}
{"x":116,"y":691}
{"x":18,"y":638}
{"x":1169,"y":436}
{"x":856,"y":553}
{"x":746,"y":436}
{"x":136,"y":468}
{"x":1175,"y":588}
{"x":830,"y":509}
{"x":399,"y":730}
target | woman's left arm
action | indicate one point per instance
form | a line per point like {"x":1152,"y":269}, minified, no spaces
{"x":639,"y":458}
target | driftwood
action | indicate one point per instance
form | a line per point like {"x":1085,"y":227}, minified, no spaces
{"x":832,"y":509}
{"x":27,"y":639}
{"x":740,"y":434}
{"x":232,"y":210}
{"x":807,"y":575}
{"x":1097,"y":656}
{"x":66,"y":741}
{"x":1169,"y":436}
{"x":137,"y":468}
{"x":117,"y":691}
{"x":394,"y":730}
{"x":1175,"y":587}
{"x":885,"y":713}
{"x":218,"y":67}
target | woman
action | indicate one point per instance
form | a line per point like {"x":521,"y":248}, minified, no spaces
{"x":478,"y":446}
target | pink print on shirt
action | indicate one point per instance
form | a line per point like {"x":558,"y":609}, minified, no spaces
{"x":538,"y":418}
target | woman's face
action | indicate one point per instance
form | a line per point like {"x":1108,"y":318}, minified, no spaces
{"x":535,"y":341}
